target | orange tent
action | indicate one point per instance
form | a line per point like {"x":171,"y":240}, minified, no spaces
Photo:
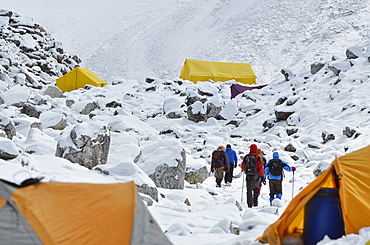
{"x":75,"y":213}
{"x":350,"y":174}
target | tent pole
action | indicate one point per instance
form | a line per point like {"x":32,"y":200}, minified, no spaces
{"x":293,"y":185}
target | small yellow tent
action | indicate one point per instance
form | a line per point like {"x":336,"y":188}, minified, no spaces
{"x":197,"y":70}
{"x":75,"y":213}
{"x":78,"y":78}
{"x":350,"y":174}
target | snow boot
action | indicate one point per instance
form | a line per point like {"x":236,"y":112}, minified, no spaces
{"x":279,"y":196}
{"x":271,"y":199}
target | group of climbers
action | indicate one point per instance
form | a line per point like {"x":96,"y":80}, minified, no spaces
{"x":256,"y":170}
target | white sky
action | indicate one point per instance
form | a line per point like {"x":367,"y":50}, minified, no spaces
{"x":118,"y":39}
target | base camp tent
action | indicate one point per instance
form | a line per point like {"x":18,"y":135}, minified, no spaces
{"x":75,"y":213}
{"x":78,"y":78}
{"x":337,"y":202}
{"x":197,"y":70}
{"x":236,"y":89}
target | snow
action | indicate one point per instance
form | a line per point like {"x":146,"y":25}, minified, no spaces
{"x":124,"y":43}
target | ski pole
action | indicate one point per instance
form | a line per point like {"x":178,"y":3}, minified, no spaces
{"x":241,"y":200}
{"x":293,"y":186}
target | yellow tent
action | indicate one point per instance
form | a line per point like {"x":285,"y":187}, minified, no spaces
{"x":349,"y":174}
{"x":78,"y":78}
{"x":75,"y":213}
{"x":197,"y":70}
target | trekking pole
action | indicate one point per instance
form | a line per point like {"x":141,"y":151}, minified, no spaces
{"x":293,"y":185}
{"x":241,"y":200}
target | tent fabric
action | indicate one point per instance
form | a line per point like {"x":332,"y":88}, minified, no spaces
{"x":78,"y":78}
{"x":76,"y":213}
{"x":197,"y":70}
{"x":349,"y":173}
{"x":237,"y":89}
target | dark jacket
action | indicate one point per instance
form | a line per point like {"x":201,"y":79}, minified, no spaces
{"x":226,"y":164}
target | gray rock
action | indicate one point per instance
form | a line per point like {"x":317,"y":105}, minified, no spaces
{"x":198,"y":116}
{"x":291,"y":131}
{"x":7,"y":126}
{"x":187,"y":202}
{"x":31,"y":110}
{"x":269,"y":123}
{"x":86,"y":151}
{"x":150,"y":191}
{"x":196,"y":176}
{"x":8,"y":149}
{"x":327,"y":136}
{"x":288,"y":74}
{"x":53,"y":92}
{"x":316,"y":67}
{"x":234,"y":229}
{"x":283,"y":115}
{"x":89,"y":108}
{"x":354,"y":52}
{"x":170,"y":177}
{"x":213,"y":110}
{"x":290,"y":148}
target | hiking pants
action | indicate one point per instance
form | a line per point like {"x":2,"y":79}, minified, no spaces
{"x":252,"y":190}
{"x":275,"y":187}
{"x":219,"y":175}
{"x":229,"y":175}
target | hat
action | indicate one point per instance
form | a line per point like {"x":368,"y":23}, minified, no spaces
{"x":253,"y":147}
{"x":221,"y":147}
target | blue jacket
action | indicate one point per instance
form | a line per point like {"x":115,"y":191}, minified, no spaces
{"x":231,"y":154}
{"x":286,"y":167}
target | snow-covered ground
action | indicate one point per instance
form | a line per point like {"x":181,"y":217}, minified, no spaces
{"x":121,"y":40}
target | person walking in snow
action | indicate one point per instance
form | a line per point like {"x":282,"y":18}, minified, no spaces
{"x":262,"y":179}
{"x":219,"y":164}
{"x":274,"y":171}
{"x":253,"y":168}
{"x":233,"y":161}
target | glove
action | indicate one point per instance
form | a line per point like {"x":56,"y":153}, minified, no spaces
{"x":212,"y":170}
{"x":293,"y":169}
{"x":226,"y":171}
{"x":235,"y":165}
{"x":263,"y":180}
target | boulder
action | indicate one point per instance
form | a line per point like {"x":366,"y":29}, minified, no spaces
{"x":282,"y":115}
{"x":8,"y":149}
{"x":354,"y":52}
{"x":53,"y":92}
{"x":164,"y":162}
{"x":7,"y":126}
{"x":196,"y":112}
{"x":316,"y":67}
{"x":194,"y":176}
{"x":86,"y":144}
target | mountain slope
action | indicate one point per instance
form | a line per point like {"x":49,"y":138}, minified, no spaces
{"x":153,"y":38}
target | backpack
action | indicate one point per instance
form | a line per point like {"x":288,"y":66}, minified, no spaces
{"x":250,"y":163}
{"x":276,"y":167}
{"x":218,"y":159}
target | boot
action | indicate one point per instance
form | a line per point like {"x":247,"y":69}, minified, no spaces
{"x":218,"y":182}
{"x":271,"y":199}
{"x":279,"y":196}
